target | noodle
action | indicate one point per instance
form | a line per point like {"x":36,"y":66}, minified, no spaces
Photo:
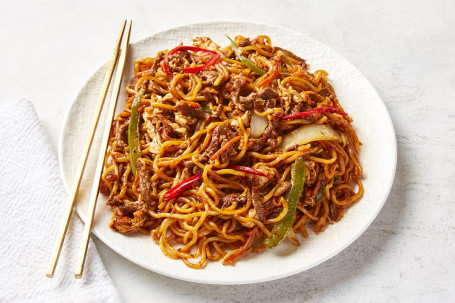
{"x":203,"y":186}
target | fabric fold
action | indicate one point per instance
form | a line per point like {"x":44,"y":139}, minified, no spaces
{"x":32,"y":201}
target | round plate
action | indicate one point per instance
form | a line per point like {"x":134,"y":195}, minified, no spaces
{"x":371,"y":122}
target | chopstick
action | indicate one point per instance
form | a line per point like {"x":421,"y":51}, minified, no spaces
{"x":99,"y":167}
{"x":83,"y":160}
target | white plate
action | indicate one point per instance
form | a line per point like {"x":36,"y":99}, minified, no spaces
{"x":371,"y":122}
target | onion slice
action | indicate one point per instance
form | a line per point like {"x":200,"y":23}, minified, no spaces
{"x":309,"y":133}
{"x":258,"y":125}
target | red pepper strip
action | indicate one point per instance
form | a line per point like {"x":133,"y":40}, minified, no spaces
{"x":326,"y":109}
{"x":196,"y":69}
{"x":179,"y":188}
{"x":246,"y":169}
{"x":275,"y":73}
{"x":191,"y":70}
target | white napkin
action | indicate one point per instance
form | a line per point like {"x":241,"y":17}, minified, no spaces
{"x":32,"y":200}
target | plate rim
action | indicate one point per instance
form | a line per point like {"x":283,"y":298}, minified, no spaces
{"x":240,"y":281}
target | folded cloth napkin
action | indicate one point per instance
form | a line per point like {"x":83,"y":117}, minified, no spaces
{"x":32,"y":200}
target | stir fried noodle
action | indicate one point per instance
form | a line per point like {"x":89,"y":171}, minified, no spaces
{"x":221,"y":152}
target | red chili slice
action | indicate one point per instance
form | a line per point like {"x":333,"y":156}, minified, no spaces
{"x":191,"y":70}
{"x":181,"y":187}
{"x":327,"y":109}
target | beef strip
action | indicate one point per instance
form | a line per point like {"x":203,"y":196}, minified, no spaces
{"x":123,"y":207}
{"x":259,"y":104}
{"x":335,"y":212}
{"x":227,"y":200}
{"x":263,"y":210}
{"x":171,"y":129}
{"x":290,"y":54}
{"x":209,"y":76}
{"x":121,"y":131}
{"x":247,"y":101}
{"x":267,"y":93}
{"x":282,"y":188}
{"x":245,"y":42}
{"x":145,"y":186}
{"x":190,"y":109}
{"x":197,"y":169}
{"x":209,"y":94}
{"x":165,"y":130}
{"x":132,"y":83}
{"x":232,"y":91}
{"x":257,"y":204}
{"x":267,"y":138}
{"x":126,"y":224}
{"x":215,"y":140}
{"x":178,"y":61}
{"x":216,"y":114}
{"x":220,"y":137}
{"x":230,"y":151}
{"x":266,"y":97}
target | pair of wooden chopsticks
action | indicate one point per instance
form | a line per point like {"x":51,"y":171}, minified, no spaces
{"x":99,"y":168}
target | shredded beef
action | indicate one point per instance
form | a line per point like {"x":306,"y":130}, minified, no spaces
{"x":209,"y":76}
{"x":282,"y":188}
{"x":216,"y":114}
{"x":258,"y":181}
{"x":209,"y":94}
{"x":190,"y":109}
{"x":290,"y":54}
{"x":123,"y":207}
{"x":268,"y":138}
{"x":220,"y":137}
{"x":133,"y":83}
{"x":247,"y":101}
{"x":245,"y":42}
{"x":145,"y":185}
{"x":233,"y":88}
{"x":127,"y":224}
{"x":215,"y":140}
{"x":263,"y":210}
{"x":264,"y":98}
{"x":178,"y":61}
{"x":335,"y":212}
{"x":259,"y":104}
{"x":197,"y":169}
{"x":267,"y":93}
{"x":227,"y":200}
{"x":121,"y":133}
{"x":218,"y":133}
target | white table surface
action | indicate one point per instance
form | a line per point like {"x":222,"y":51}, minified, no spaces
{"x":405,"y":48}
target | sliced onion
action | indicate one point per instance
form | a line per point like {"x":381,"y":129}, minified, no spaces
{"x":309,"y":133}
{"x":258,"y":125}
{"x":293,"y":237}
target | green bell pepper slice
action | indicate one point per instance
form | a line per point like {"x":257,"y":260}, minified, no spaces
{"x":248,"y":63}
{"x":281,"y":229}
{"x":133,"y":131}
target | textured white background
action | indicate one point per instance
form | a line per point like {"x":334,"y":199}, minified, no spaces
{"x":405,"y":48}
